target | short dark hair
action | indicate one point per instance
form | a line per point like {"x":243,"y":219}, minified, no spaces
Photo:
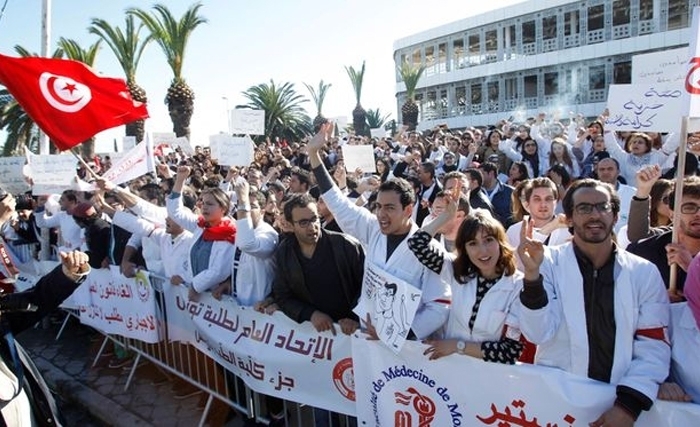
{"x":462,"y":203}
{"x":303,"y":177}
{"x":691,"y":188}
{"x":70,"y":195}
{"x":402,"y":187}
{"x":568,"y":202}
{"x":152,"y":191}
{"x":541,"y":182}
{"x":475,"y":174}
{"x":299,"y":200}
{"x":489,"y":167}
{"x":429,"y":167}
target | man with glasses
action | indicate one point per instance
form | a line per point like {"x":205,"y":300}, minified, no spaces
{"x":318,"y":272}
{"x":659,"y":249}
{"x":594,"y":309}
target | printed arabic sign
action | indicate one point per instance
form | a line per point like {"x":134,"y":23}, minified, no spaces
{"x":275,"y":355}
{"x":232,"y":151}
{"x":662,"y":67}
{"x":391,"y":304}
{"x":119,"y":305}
{"x":644,"y":108}
{"x":51,"y":173}
{"x":408,"y":390}
{"x":247,"y":122}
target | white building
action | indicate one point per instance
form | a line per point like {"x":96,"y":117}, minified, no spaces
{"x":539,"y":55}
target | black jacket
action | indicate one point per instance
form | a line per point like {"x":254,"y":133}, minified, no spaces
{"x":289,"y":289}
{"x":49,"y":292}
{"x":653,"y":249}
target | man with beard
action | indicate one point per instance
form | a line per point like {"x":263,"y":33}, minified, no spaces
{"x":594,"y":309}
{"x":661,"y":251}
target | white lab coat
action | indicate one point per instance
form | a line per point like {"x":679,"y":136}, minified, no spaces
{"x":72,"y":236}
{"x":363,"y":225}
{"x":557,"y":237}
{"x":221,"y":256}
{"x":256,"y":267}
{"x":641,"y":303}
{"x":685,"y":348}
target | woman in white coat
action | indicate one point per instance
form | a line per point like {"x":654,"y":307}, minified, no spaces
{"x":212,"y":249}
{"x":485,"y":285}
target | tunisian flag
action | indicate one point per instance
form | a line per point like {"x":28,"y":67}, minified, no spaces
{"x":67,"y":99}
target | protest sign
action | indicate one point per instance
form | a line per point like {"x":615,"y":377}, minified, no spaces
{"x":12,"y":177}
{"x":133,"y":164}
{"x":119,"y":305}
{"x":128,"y":142}
{"x":247,"y":122}
{"x":359,"y":156}
{"x":663,"y":67}
{"x":408,"y":389}
{"x":377,"y":133}
{"x":232,"y":151}
{"x":391,"y":304}
{"x":184,"y":144}
{"x":51,"y":173}
{"x":644,"y":108}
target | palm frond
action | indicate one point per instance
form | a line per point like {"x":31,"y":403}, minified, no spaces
{"x":410,"y":74}
{"x":74,"y":51}
{"x":126,"y":45}
{"x":356,"y":78}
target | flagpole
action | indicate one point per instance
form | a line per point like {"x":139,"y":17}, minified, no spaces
{"x":45,"y":42}
{"x":680,"y":174}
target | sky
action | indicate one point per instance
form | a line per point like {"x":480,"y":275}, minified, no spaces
{"x":245,"y":43}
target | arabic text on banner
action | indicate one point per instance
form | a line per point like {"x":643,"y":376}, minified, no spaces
{"x":407,"y":389}
{"x":275,"y":355}
{"x":119,"y":305}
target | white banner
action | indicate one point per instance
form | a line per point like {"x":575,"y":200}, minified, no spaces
{"x":119,"y":305}
{"x":644,"y":107}
{"x":128,"y":142}
{"x":247,"y":122}
{"x":391,"y":304}
{"x":276,"y":356}
{"x":12,"y":177}
{"x":409,"y":390}
{"x":179,"y":325}
{"x":51,"y":173}
{"x":135,"y":163}
{"x":359,"y":156}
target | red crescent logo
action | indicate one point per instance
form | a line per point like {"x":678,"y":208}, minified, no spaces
{"x":692,"y":79}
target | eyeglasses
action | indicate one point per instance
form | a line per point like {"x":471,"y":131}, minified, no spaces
{"x":304,"y":223}
{"x":690,"y":208}
{"x":587,"y":208}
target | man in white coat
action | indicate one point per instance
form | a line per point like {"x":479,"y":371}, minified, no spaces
{"x":594,"y":309}
{"x":384,"y":238}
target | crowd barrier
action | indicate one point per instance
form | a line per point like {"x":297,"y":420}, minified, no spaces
{"x":271,"y":355}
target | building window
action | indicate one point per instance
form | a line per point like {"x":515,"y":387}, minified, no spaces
{"x":551,"y":83}
{"x":571,"y":23}
{"x":596,"y":77}
{"x":457,"y":53}
{"x":646,"y":10}
{"x":596,"y":17}
{"x":549,"y":27}
{"x":417,"y":57}
{"x":491,"y":45}
{"x":474,"y":45}
{"x":461,"y":95}
{"x":621,"y":12}
{"x":442,"y":57}
{"x":530,"y":90}
{"x":476,"y":94}
{"x":512,"y":35}
{"x":528,"y":32}
{"x":622,"y":72}
{"x":677,"y":14}
{"x":429,"y":60}
{"x":511,"y":87}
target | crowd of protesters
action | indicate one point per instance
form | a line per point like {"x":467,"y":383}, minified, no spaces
{"x":483,"y":220}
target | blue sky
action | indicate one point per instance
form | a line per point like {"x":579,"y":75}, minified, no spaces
{"x":250,"y":42}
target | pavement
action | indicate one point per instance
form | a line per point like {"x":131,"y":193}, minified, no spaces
{"x":66,"y":364}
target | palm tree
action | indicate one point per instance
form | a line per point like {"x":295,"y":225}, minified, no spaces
{"x":172,"y":36}
{"x":375,"y":120}
{"x":318,"y":96}
{"x":284,"y":115}
{"x":21,"y":129}
{"x":87,"y":56}
{"x":128,"y":48}
{"x":358,"y":114}
{"x":410,"y":74}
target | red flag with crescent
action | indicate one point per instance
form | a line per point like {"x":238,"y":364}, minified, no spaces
{"x":66,"y":99}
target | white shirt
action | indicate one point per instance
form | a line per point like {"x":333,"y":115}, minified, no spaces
{"x":685,"y":348}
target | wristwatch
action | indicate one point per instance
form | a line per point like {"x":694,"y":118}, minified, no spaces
{"x":461,"y":346}
{"x":244,"y":208}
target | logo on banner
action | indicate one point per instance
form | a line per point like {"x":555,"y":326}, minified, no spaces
{"x":414,"y":404}
{"x":142,"y":290}
{"x":64,"y":93}
{"x":692,"y":80}
{"x":422,"y":405}
{"x":344,"y":378}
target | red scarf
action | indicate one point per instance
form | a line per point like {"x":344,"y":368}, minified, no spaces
{"x":224,"y":231}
